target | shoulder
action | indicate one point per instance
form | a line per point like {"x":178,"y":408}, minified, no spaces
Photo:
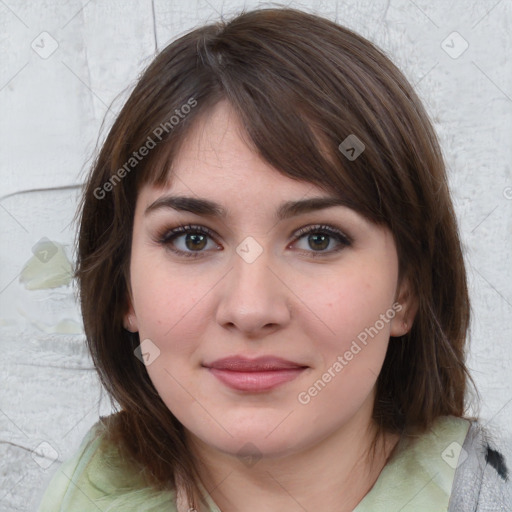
{"x":97,"y":477}
{"x":482,"y":479}
{"x":474,"y":463}
{"x":420,"y":474}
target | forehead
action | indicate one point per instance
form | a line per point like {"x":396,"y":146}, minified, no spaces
{"x":218,"y":149}
{"x":218,"y":161}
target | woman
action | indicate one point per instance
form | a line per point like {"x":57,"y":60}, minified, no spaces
{"x":273,"y":289}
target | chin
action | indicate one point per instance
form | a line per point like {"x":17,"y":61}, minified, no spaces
{"x":247,"y":447}
{"x":251,"y":440}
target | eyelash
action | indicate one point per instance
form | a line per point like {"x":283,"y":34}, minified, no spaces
{"x":169,"y":235}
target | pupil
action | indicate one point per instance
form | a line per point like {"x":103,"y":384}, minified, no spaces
{"x":195,"y":241}
{"x":319,"y":238}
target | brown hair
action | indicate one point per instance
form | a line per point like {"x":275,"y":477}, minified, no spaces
{"x":300,"y":84}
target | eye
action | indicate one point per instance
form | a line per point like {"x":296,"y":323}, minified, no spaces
{"x":189,"y":240}
{"x":319,"y":238}
{"x":194,"y":240}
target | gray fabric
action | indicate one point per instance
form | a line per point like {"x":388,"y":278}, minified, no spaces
{"x":483,"y":480}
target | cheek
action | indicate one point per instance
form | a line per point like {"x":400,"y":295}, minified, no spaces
{"x":351,"y":339}
{"x":171,"y":311}
{"x":352,"y":303}
{"x":162,"y":296}
{"x":351,"y":342}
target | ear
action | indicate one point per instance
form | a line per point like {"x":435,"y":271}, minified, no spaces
{"x":406,"y":307}
{"x":130,"y":318}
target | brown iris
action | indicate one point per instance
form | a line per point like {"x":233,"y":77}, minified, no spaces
{"x":318,"y":238}
{"x":195,"y":241}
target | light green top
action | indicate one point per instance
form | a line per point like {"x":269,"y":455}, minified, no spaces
{"x":418,"y":478}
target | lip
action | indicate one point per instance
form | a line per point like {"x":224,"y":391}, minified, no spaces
{"x":254,"y":375}
{"x":259,"y":364}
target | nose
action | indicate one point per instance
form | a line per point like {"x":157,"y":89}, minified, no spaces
{"x":254,"y":300}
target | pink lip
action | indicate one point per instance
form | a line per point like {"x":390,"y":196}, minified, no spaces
{"x":256,"y":375}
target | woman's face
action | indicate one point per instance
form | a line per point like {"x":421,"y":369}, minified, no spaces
{"x":312,"y":292}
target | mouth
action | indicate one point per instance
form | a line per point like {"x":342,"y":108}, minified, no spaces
{"x":254,"y":375}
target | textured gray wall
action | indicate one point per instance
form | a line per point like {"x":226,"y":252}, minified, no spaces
{"x":62,"y":65}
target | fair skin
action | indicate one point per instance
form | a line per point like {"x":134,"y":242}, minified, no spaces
{"x":286,"y":303}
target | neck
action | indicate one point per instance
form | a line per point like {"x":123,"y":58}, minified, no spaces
{"x":333,"y":475}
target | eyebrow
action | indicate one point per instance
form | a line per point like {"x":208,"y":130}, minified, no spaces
{"x":209,"y":208}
